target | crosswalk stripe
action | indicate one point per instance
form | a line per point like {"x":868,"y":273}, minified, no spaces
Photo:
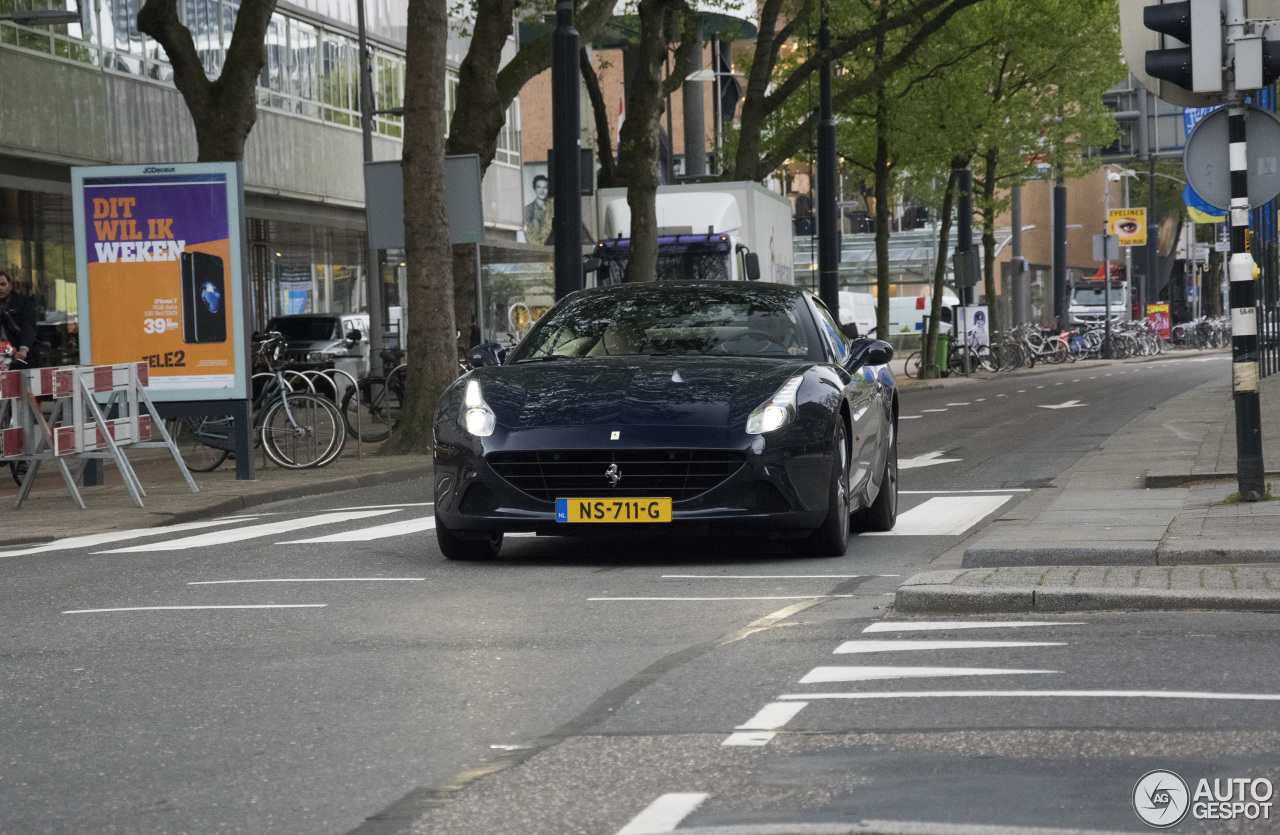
{"x":772,"y":716}
{"x":820,"y":675}
{"x":1043,"y":694}
{"x":663,"y":814}
{"x":119,"y":536}
{"x":944,"y":516}
{"x":251,"y":532}
{"x":424,"y":523}
{"x":860,"y":647}
{"x":946,"y":625}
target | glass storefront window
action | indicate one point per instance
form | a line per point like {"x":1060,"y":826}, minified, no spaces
{"x":37,"y":251}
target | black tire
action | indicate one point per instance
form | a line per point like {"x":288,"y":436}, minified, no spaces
{"x":197,"y":455}
{"x":882,"y":515}
{"x":456,"y":548}
{"x":832,"y":538}
{"x":379,"y":409}
{"x":19,"y":470}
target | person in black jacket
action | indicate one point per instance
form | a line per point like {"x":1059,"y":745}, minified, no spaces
{"x":17,"y":320}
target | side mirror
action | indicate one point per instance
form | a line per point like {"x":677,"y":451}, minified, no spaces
{"x":486,"y":353}
{"x":752,"y":262}
{"x":869,"y":352}
{"x":591,"y":263}
{"x":850,"y":330}
{"x":354,"y":335}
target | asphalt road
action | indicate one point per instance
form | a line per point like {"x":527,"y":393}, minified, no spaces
{"x":368,"y":685}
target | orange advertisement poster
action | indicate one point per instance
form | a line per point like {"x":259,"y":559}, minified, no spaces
{"x":159,"y":277}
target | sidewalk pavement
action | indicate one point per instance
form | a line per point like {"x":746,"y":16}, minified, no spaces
{"x":1143,"y":522}
{"x":50,"y":513}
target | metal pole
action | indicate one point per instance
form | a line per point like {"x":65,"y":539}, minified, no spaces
{"x":695,"y":138}
{"x":1106,"y":263}
{"x":1244,"y":320}
{"x":828,"y":235}
{"x":1060,"y":251}
{"x":1019,"y":270}
{"x":373,"y":267}
{"x":566,"y":139}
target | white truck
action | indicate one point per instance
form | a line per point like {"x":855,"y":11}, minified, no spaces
{"x":1089,"y":303}
{"x":729,"y":231}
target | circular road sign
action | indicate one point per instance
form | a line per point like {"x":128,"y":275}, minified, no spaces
{"x":1208,"y":166}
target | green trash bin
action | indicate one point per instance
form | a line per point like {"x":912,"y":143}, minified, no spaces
{"x":940,"y":352}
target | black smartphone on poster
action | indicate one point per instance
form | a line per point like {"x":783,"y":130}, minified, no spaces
{"x":204,"y":299}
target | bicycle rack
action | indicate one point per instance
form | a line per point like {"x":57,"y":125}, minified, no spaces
{"x":337,"y":397}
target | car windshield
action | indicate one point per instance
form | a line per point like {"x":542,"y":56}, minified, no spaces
{"x":1097,"y":296}
{"x":306,"y":328}
{"x":674,"y":320}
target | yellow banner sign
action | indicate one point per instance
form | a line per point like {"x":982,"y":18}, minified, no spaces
{"x":1129,"y":225}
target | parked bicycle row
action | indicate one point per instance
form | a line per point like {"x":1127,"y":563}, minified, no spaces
{"x":1026,"y":344}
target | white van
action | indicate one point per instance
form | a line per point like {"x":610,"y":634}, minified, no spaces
{"x":860,"y":309}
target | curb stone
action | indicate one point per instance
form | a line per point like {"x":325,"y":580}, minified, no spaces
{"x":949,"y":599}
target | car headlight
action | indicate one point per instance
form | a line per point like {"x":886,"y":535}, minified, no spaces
{"x":777,"y":411}
{"x":476,"y":416}
{"x":317,"y":356}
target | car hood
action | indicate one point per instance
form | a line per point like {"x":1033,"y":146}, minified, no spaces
{"x":671,"y":391}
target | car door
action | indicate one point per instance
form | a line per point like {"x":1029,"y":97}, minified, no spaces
{"x":861,"y":392}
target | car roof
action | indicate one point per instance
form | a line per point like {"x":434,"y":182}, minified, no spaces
{"x":663,"y":287}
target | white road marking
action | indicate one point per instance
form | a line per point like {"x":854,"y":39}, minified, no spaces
{"x":820,"y":675}
{"x":791,"y":597}
{"x":979,"y":399}
{"x":187,"y":608}
{"x":999,"y":395}
{"x":771,"y":576}
{"x":950,"y":492}
{"x":251,"y":532}
{"x":1057,"y":384}
{"x":1039,"y":387}
{"x":664,"y":814}
{"x":944,"y":516}
{"x":926,"y":460}
{"x":381,"y":506}
{"x":909,"y":417}
{"x":959,"y":404}
{"x":1070,"y":404}
{"x":933,"y":410}
{"x":313,"y":580}
{"x":772,"y":716}
{"x":117,"y":536}
{"x":750,"y":739}
{"x":425,"y":523}
{"x":1042,"y":694}
{"x":1075,"y":381}
{"x":944,"y":625}
{"x":861,"y":647}
{"x":1022,"y":391}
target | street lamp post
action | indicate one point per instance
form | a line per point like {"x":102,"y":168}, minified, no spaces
{"x":372,"y":264}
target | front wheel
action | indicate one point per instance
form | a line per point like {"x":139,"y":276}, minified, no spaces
{"x":197,"y":455}
{"x":455,"y":547}
{"x":913,"y":365}
{"x":308,"y":433}
{"x":832,"y":539}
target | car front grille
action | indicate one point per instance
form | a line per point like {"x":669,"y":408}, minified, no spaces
{"x":682,"y":474}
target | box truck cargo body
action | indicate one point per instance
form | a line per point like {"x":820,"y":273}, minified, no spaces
{"x":705,"y":231}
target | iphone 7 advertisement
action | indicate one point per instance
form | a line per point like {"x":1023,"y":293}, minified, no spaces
{"x":162,"y":278}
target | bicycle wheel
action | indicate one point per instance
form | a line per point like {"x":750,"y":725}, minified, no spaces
{"x":913,"y":364}
{"x":378,"y":407}
{"x":1055,"y":350}
{"x":197,"y":455}
{"x":308,"y":433}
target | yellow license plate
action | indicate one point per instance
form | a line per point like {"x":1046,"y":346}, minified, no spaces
{"x":613,"y":510}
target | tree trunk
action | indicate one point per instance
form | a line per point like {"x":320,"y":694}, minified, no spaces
{"x":928,"y":369}
{"x":608,"y":176}
{"x":990,"y":158}
{"x":638,"y":152}
{"x":223,"y":111}
{"x":432,"y":356}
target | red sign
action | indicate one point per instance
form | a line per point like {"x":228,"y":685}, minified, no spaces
{"x":1158,"y":315}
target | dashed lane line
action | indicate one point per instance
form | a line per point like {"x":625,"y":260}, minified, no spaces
{"x":946,"y":625}
{"x":190,"y":608}
{"x":900,"y":645}
{"x":311,"y":580}
{"x":825,"y":675}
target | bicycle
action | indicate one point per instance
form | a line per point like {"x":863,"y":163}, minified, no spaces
{"x":297,"y":430}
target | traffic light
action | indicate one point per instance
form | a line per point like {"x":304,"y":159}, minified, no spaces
{"x":1196,"y":64}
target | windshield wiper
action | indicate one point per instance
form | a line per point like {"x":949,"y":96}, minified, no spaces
{"x":544,"y":358}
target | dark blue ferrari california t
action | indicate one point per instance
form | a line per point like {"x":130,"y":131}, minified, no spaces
{"x":678,"y":408}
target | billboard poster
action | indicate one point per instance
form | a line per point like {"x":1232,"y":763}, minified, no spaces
{"x":159,"y":257}
{"x":973,"y":319}
{"x":1158,"y":316}
{"x":1128,"y":225}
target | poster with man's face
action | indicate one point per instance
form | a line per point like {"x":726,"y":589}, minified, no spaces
{"x":538,"y":208}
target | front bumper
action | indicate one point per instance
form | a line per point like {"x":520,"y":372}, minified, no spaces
{"x":780,"y":490}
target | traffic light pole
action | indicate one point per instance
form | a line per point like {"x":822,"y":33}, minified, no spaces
{"x":1250,"y":472}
